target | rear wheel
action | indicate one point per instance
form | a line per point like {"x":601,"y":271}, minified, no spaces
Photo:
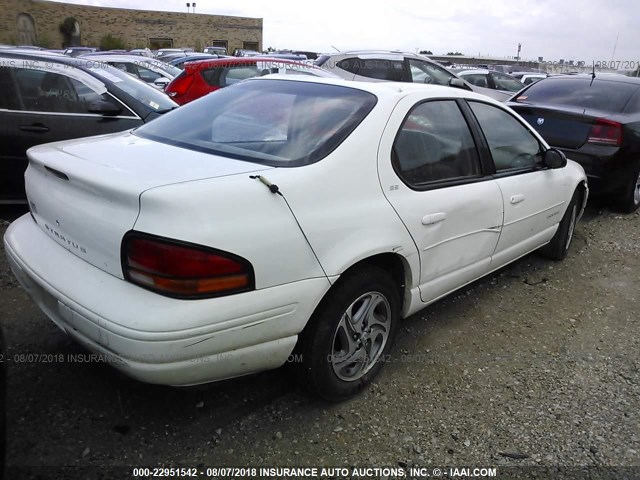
{"x":345,"y":345}
{"x":629,"y":199}
{"x":558,"y":247}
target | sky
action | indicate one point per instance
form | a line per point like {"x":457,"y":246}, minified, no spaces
{"x":587,"y":30}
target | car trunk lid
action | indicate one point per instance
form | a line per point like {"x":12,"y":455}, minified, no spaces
{"x":562,"y":127}
{"x":85,"y":193}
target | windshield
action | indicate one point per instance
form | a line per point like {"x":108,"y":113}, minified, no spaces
{"x":273,"y":122}
{"x":165,"y":67}
{"x":602,"y":95}
{"x":144,"y":93}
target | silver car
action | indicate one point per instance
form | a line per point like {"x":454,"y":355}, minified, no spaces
{"x":484,"y":78}
{"x":395,"y":66}
{"x":155,"y":72}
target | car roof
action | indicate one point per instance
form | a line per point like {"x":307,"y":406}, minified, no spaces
{"x":602,"y":76}
{"x":530,"y":74}
{"x":470,"y":71}
{"x":386,"y":89}
{"x":246,"y":61}
{"x":122,"y":57}
{"x":29,"y":51}
{"x":44,"y":56}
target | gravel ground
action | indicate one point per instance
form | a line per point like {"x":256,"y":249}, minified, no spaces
{"x":536,"y":365}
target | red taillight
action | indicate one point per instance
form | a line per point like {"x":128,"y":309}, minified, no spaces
{"x":180,"y":85}
{"x":183,"y":270}
{"x":605,"y":132}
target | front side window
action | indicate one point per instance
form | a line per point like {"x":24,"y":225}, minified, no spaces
{"x":43,"y":91}
{"x":424,"y":72}
{"x":272,"y":122}
{"x":8,"y":94}
{"x":477,"y":79}
{"x":512,"y":145}
{"x":435,"y":144}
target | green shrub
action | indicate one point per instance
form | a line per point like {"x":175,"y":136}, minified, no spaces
{"x":109,"y":42}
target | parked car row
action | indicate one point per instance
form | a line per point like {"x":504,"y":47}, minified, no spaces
{"x":371,"y":200}
{"x":367,"y":190}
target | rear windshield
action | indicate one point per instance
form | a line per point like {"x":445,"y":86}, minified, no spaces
{"x":273,"y":122}
{"x":602,"y":95}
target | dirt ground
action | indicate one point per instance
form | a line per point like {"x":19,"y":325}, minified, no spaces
{"x":538,"y":361}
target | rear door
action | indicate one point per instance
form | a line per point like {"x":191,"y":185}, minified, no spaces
{"x":431,"y":173}
{"x":532,"y":194}
{"x":53,"y":104}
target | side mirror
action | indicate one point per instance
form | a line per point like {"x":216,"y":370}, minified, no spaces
{"x":459,"y":83}
{"x":105,"y":108}
{"x":554,"y":158}
{"x":161,"y":82}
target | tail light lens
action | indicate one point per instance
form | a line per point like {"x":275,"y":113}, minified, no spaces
{"x":605,"y":132}
{"x":183,"y":270}
{"x":180,"y":85}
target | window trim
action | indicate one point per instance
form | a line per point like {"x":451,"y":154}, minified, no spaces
{"x":487,"y":150}
{"x":450,"y":182}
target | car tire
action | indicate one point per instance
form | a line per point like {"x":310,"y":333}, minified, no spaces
{"x":558,"y":247}
{"x":629,"y":199}
{"x":349,"y":337}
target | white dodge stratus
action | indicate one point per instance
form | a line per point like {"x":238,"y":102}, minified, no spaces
{"x":283,"y":215}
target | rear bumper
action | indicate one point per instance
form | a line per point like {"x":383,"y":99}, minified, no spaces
{"x":154,"y":338}
{"x":607,"y":171}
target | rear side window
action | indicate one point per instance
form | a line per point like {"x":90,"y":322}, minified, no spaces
{"x":434,"y":144}
{"x":234,"y":75}
{"x":634,"y":104}
{"x":380,"y":69}
{"x":602,"y":95}
{"x":349,"y":64}
{"x":272,"y":122}
{"x":392,"y":70}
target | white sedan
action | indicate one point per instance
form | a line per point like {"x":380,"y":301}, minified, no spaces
{"x":288,"y":218}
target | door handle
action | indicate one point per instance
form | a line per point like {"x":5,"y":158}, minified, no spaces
{"x":434,"y":218}
{"x":36,"y":127}
{"x":517,"y":198}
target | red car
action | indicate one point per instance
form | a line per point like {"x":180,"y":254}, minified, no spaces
{"x":204,"y":76}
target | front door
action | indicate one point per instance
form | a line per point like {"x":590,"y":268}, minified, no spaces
{"x":532,"y":195}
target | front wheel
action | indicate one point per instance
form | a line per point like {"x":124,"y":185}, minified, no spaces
{"x":349,"y":337}
{"x":558,"y":247}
